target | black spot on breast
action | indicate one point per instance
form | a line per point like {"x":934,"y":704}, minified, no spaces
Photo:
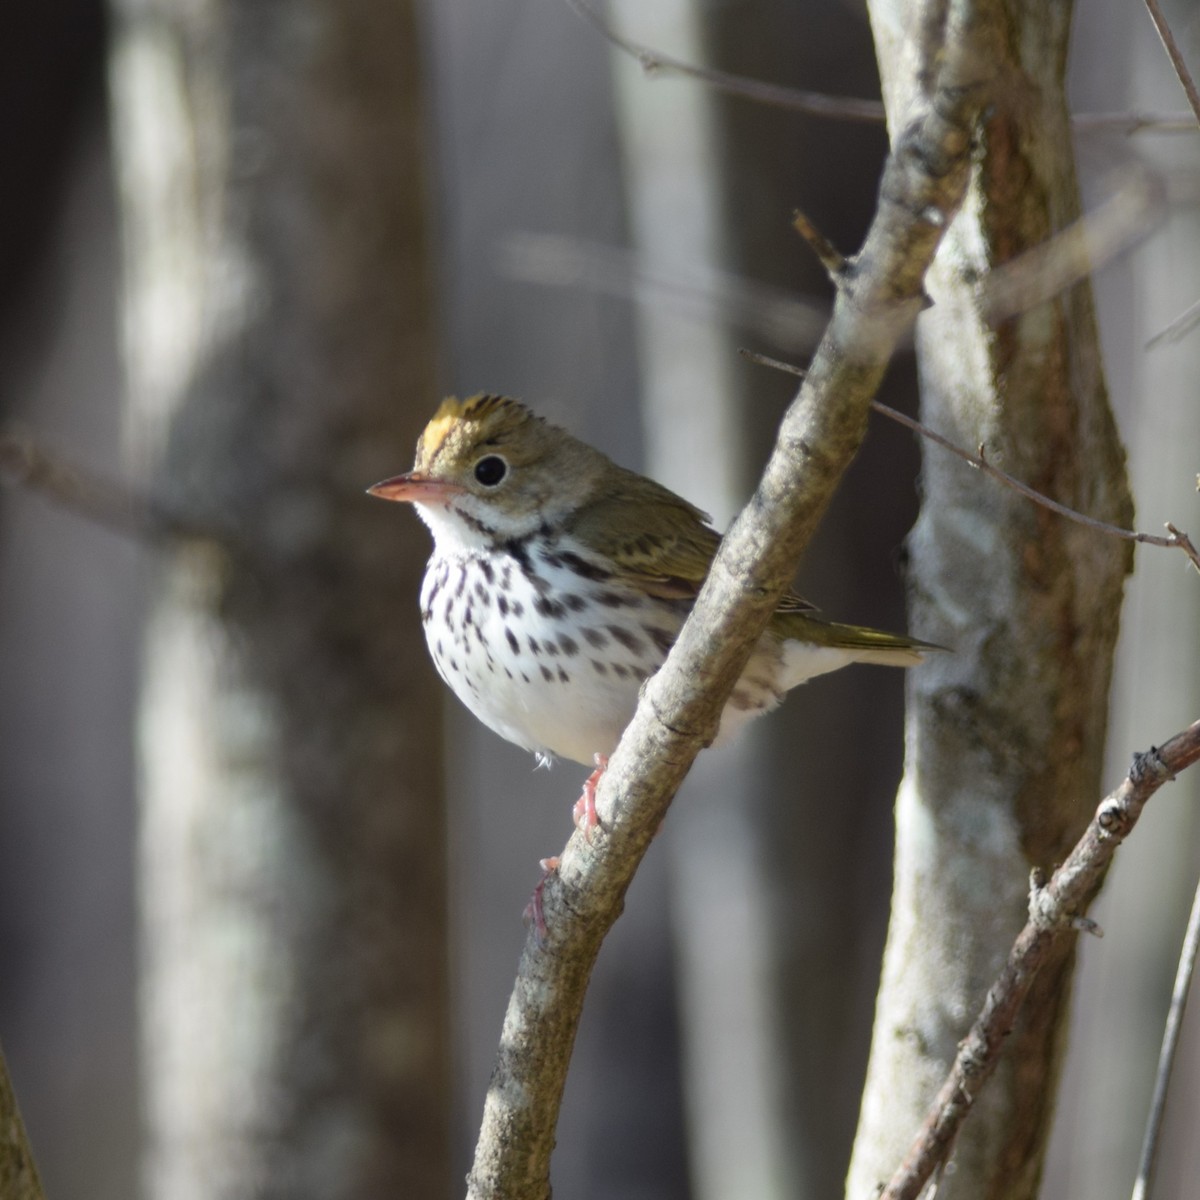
{"x":660,"y":637}
{"x":583,"y":568}
{"x":563,"y":677}
{"x":518,"y":609}
{"x":638,"y":674}
{"x":630,"y":641}
{"x":574,"y":603}
{"x":620,"y":671}
{"x":547,"y":674}
{"x":549,"y":608}
{"x":533,"y":645}
{"x":513,"y":644}
{"x":595,"y":638}
{"x":462,"y":583}
{"x":616,"y":600}
{"x":600,"y":668}
{"x":488,"y":570}
{"x":568,"y":645}
{"x":550,"y":647}
{"x":502,"y":604}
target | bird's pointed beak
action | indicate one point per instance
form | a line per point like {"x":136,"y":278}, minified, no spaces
{"x":414,"y":488}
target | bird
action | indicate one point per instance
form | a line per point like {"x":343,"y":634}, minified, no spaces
{"x":559,"y":581}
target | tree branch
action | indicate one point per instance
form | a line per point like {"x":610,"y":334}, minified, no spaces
{"x":1055,"y":910}
{"x":24,"y":463}
{"x":838,"y":108}
{"x":879,"y":297}
{"x":1175,"y":539}
{"x":1175,"y":55}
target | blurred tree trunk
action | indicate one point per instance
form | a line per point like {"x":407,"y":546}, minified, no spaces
{"x":823,"y":769}
{"x":672,"y":164}
{"x":1006,"y":735}
{"x":280,"y":337}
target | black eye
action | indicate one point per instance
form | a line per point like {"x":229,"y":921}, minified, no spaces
{"x":491,"y":470}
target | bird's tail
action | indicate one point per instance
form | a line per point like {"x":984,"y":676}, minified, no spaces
{"x":860,"y":643}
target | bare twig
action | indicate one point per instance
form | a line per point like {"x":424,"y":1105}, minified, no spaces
{"x":24,"y":463}
{"x":1175,"y":539}
{"x":1179,"y":327}
{"x":1175,"y":55}
{"x":815,"y":103}
{"x":838,"y":108}
{"x":1134,"y":122}
{"x":559,"y":260}
{"x":1051,"y":909}
{"x":830,"y":257}
{"x":1166,"y":1057}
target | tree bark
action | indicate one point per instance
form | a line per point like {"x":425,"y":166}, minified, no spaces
{"x":1006,"y":735}
{"x":281,"y":353}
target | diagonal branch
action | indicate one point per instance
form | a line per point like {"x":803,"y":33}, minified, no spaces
{"x":1176,"y":539}
{"x":1056,"y":910}
{"x":118,"y":507}
{"x":839,"y":108}
{"x":1171,"y":46}
{"x":879,"y":297}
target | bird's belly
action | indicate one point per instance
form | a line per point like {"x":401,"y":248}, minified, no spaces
{"x":556,"y":676}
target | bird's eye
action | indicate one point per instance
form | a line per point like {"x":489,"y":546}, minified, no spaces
{"x":491,"y":470}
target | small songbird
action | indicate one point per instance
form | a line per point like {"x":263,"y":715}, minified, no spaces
{"x":559,"y":581}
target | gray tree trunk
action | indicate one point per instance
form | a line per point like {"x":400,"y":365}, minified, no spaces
{"x":279,"y":325}
{"x":1006,"y":735}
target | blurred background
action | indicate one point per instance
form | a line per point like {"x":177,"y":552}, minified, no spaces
{"x":598,"y":243}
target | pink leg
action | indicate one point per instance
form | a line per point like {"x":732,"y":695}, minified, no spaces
{"x":533,"y":910}
{"x":584,"y":812}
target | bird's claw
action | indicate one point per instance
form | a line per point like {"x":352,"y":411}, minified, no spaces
{"x":584,"y":812}
{"x":535,"y":912}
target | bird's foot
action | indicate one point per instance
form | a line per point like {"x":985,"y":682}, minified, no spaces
{"x":535,"y":913}
{"x":584,"y":812}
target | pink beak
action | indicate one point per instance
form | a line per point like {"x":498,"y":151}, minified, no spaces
{"x":414,"y":488}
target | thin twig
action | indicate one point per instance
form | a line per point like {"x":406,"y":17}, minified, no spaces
{"x":830,"y":257}
{"x":559,"y":260}
{"x":24,"y":463}
{"x":1181,"y":325}
{"x":1175,"y":55}
{"x":1166,"y":1056}
{"x":838,"y":108}
{"x":1052,"y":908}
{"x":1134,"y":122}
{"x":1175,"y":538}
{"x":815,"y":103}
